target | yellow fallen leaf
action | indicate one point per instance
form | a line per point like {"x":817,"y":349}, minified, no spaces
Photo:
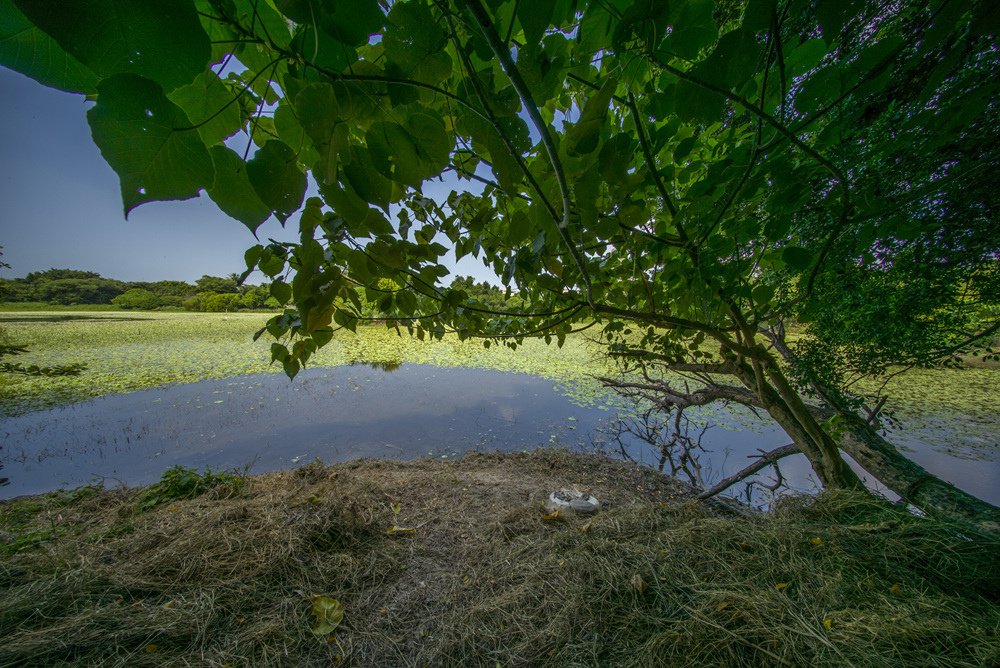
{"x":393,"y":530}
{"x":896,"y":589}
{"x":169,"y":605}
{"x":328,"y":612}
{"x":586,"y":527}
{"x":638,"y":583}
{"x":781,"y":585}
{"x":816,"y":540}
{"x":551,"y":517}
{"x":151,"y":648}
{"x":828,"y":624}
{"x":723,"y":605}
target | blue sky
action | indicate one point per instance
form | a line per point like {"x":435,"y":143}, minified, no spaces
{"x":61,"y":205}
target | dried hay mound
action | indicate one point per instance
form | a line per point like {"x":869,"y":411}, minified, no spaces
{"x":453,"y":564}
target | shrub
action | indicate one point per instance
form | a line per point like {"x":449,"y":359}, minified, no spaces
{"x":180,"y":482}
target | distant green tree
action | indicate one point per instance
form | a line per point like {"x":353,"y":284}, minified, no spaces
{"x":137,"y":298}
{"x":217,"y":284}
{"x":57,"y":274}
{"x":194,"y":302}
{"x":217,"y":303}
{"x":255,"y":296}
{"x":166,"y":288}
{"x":69,"y":291}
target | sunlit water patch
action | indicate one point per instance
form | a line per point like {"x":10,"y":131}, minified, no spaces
{"x":264,"y":422}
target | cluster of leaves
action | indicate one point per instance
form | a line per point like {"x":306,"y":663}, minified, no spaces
{"x":697,"y":167}
{"x":180,"y":482}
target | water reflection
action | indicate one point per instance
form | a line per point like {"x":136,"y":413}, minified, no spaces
{"x":67,"y":317}
{"x":387,"y":410}
{"x":387,"y":366}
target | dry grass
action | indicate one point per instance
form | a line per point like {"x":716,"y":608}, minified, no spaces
{"x":655,"y":579}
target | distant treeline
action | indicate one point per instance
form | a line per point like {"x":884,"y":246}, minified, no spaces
{"x":71,"y":287}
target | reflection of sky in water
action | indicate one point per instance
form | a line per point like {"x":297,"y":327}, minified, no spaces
{"x":269,"y":423}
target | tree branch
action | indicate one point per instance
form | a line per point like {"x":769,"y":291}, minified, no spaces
{"x":766,"y":459}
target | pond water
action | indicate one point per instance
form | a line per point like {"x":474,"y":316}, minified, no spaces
{"x":265,"y":423}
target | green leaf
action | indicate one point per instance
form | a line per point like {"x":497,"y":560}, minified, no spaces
{"x":322,"y":336}
{"x":414,"y":43}
{"x":805,"y":57}
{"x":321,"y":50}
{"x":585,"y":134}
{"x":349,"y":22}
{"x":209,"y":105}
{"x":733,"y":61}
{"x":161,"y":40}
{"x":25,"y":48}
{"x":412,"y":153}
{"x":232,"y":191}
{"x":322,"y":112}
{"x":695,"y":104}
{"x":277,"y":180}
{"x":142,"y":136}
{"x":270,"y":263}
{"x":406,"y":302}
{"x":367,"y":182}
{"x":694,"y":29}
{"x":684,"y":148}
{"x":535,"y":17}
{"x":281,"y":291}
{"x":797,"y":258}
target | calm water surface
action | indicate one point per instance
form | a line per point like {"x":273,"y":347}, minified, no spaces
{"x":266,"y":423}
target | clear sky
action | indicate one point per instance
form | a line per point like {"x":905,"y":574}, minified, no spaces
{"x":60,"y":204}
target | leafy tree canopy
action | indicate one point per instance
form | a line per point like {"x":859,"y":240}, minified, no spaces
{"x":671,"y":172}
{"x":58,"y":274}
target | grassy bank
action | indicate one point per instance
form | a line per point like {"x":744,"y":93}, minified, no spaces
{"x":475,"y":575}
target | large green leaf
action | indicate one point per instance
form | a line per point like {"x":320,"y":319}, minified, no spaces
{"x":585,"y":134}
{"x":694,"y":29}
{"x":161,"y":40}
{"x":277,"y":179}
{"x":412,"y":153}
{"x":415,"y":43}
{"x":535,"y":17}
{"x":25,"y":48}
{"x":232,"y":191}
{"x":211,"y":106}
{"x":734,"y":59}
{"x":370,"y":185}
{"x":290,"y":131}
{"x":323,"y":51}
{"x":322,"y":111}
{"x":349,"y":22}
{"x":148,"y":141}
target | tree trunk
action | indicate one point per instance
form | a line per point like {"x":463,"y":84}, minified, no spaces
{"x":905,"y":477}
{"x":912,"y":482}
